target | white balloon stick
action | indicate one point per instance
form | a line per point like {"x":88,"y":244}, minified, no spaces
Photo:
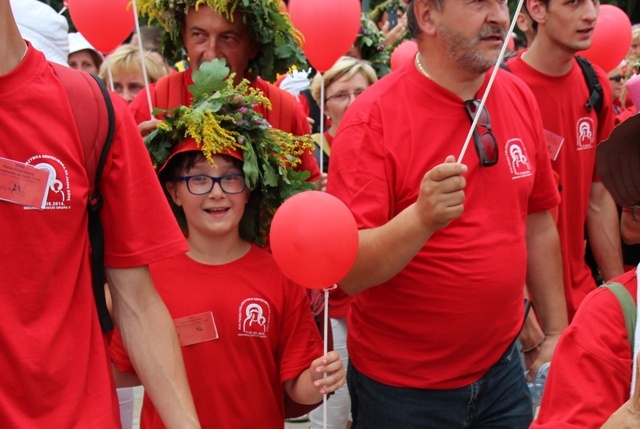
{"x":142,"y":58}
{"x":321,"y":123}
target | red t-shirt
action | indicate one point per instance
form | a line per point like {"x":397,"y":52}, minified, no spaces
{"x":590,"y":374}
{"x":449,"y":315}
{"x":299,"y":125}
{"x":54,"y":364}
{"x":266,"y":335}
{"x":561,"y":100}
{"x":623,"y":112}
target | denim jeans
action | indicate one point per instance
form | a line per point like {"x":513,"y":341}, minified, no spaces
{"x":500,"y":399}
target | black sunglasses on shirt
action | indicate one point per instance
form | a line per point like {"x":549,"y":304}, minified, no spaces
{"x":485,"y":142}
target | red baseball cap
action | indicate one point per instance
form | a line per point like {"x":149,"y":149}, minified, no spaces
{"x":189,"y":144}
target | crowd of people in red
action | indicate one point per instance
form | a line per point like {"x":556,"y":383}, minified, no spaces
{"x":474,"y":269}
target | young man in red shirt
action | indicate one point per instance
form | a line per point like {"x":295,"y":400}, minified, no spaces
{"x":573,"y":131}
{"x":550,"y":69}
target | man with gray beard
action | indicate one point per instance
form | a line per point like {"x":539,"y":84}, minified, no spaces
{"x":446,"y":247}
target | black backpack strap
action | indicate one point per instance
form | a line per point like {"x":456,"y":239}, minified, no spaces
{"x":95,"y":121}
{"x":596,"y":94}
{"x":96,"y":233}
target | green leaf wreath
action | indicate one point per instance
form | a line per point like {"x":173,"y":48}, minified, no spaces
{"x":278,"y":41}
{"x":222,"y":118}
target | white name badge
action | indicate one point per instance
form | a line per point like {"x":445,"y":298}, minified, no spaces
{"x":23,"y":184}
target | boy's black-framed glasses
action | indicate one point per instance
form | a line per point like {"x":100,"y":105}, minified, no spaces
{"x":201,"y":184}
{"x":485,"y":142}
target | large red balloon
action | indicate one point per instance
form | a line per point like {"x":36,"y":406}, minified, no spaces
{"x":314,"y":239}
{"x":611,"y":38}
{"x":405,"y":51}
{"x":329,"y":27}
{"x":104,"y":23}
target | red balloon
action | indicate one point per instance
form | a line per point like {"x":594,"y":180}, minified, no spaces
{"x":330,"y":28}
{"x":104,"y":23}
{"x":611,"y":38}
{"x":405,"y":51}
{"x":314,"y":239}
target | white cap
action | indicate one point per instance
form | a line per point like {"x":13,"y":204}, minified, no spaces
{"x":43,"y":27}
{"x":295,"y":82}
{"x":77,"y":43}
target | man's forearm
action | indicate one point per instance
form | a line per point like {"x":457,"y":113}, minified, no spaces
{"x":544,"y":273}
{"x":384,"y":251}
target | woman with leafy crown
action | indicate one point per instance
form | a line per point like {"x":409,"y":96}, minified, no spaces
{"x":246,"y":331}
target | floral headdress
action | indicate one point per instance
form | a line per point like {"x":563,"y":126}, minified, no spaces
{"x":278,"y":41}
{"x":221,"y":119}
{"x":370,"y":42}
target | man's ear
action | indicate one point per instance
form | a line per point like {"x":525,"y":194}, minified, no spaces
{"x":172,"y":190}
{"x":537,"y":10}
{"x":425,"y":14}
{"x":521,"y":22}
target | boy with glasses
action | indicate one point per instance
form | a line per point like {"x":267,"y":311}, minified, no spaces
{"x":437,"y":307}
{"x":246,"y":331}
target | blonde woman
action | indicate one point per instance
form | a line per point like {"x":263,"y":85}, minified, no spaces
{"x":343,"y":82}
{"x":126,"y":70}
{"x":633,"y":56}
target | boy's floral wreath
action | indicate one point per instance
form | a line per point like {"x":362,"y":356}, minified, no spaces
{"x":278,"y":41}
{"x":221,"y":119}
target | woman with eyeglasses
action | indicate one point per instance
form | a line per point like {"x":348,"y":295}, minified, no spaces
{"x":344,"y":82}
{"x":622,"y":104}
